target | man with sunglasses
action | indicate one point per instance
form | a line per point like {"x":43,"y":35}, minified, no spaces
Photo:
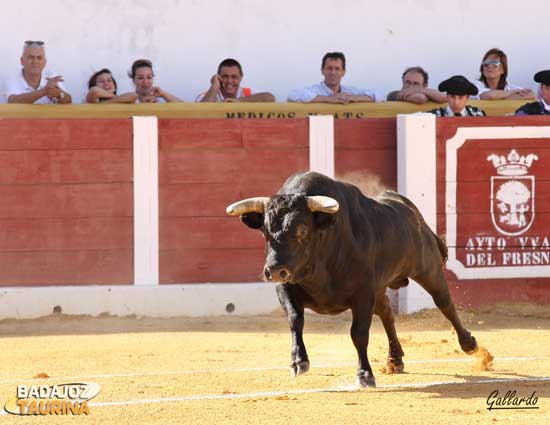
{"x":32,"y":85}
{"x":541,"y":106}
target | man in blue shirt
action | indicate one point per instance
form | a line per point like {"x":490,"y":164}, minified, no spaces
{"x":333,"y":68}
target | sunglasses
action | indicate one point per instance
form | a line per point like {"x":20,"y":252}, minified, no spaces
{"x":491,"y":62}
{"x":37,"y":43}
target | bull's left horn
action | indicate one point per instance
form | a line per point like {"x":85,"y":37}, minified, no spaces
{"x":323,"y":203}
{"x":248,"y":205}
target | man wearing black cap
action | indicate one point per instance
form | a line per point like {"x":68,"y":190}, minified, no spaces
{"x":542,"y":106}
{"x":458,"y":89}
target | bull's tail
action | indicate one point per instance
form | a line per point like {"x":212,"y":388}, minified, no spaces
{"x":442,"y":247}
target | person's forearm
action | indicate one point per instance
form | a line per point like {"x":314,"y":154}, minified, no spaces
{"x":169,"y":97}
{"x":324,"y":99}
{"x":364,"y":98}
{"x":258,"y":97}
{"x":26,"y":97}
{"x":416,"y":98}
{"x":435,"y":95}
{"x":211,"y":95}
{"x":495,"y":95}
{"x":123,"y":98}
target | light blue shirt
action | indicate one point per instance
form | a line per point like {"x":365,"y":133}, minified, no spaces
{"x":307,"y":94}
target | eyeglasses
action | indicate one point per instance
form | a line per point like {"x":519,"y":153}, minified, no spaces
{"x":491,"y":62}
{"x":33,"y":43}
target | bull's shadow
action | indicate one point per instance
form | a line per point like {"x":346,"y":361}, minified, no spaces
{"x":468,"y":386}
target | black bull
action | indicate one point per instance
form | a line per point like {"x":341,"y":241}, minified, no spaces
{"x":332,"y":249}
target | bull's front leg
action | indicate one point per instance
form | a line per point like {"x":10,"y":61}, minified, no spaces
{"x":362,"y":310}
{"x":294,"y":308}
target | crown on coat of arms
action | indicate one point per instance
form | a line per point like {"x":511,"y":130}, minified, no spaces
{"x":513,"y":164}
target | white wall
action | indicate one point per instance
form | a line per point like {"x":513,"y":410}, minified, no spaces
{"x":279,"y":43}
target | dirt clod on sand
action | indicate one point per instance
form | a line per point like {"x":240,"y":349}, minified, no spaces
{"x":483,"y":360}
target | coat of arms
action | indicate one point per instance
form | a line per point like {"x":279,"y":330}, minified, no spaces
{"x":512,"y":193}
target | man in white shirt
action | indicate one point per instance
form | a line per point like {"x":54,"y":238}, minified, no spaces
{"x":225,"y":86}
{"x":333,"y":68}
{"x":32,"y":85}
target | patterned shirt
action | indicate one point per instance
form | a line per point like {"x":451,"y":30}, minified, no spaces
{"x":534,"y":108}
{"x":468,"y":111}
{"x":307,"y":94}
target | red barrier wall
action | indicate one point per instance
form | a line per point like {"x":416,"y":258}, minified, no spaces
{"x":473,"y":205}
{"x":366,"y":152}
{"x":205,"y":165}
{"x":66,"y":202}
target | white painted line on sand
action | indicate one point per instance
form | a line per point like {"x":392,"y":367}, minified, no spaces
{"x":256,"y":369}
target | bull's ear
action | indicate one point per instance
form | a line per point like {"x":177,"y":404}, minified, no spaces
{"x":253,"y":220}
{"x":323,"y":220}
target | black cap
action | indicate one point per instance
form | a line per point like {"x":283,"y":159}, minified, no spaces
{"x":543,"y":77}
{"x":458,"y":85}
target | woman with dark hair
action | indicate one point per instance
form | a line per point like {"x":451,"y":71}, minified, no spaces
{"x":142,"y":76}
{"x":493,"y":84}
{"x":102,"y":88}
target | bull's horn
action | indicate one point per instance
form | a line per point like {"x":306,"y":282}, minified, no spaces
{"x":322,"y":203}
{"x":248,"y":205}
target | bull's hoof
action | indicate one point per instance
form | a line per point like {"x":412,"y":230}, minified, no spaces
{"x":365,"y":380}
{"x":299,"y":368}
{"x":469,"y":346}
{"x":394,"y":365}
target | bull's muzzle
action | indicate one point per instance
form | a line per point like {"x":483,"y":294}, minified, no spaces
{"x":277,"y":274}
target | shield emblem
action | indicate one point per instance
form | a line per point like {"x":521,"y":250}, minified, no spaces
{"x":512,"y":203}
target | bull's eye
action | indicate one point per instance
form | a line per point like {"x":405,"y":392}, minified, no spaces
{"x":301,"y":233}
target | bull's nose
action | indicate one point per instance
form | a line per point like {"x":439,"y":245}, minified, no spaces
{"x":277,"y":274}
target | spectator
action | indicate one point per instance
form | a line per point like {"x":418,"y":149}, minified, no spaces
{"x":32,"y":85}
{"x":143,"y":76}
{"x":493,"y":84}
{"x":415,"y":88}
{"x":541,"y":106}
{"x":333,"y":68}
{"x":225,"y":86}
{"x":102,"y":88}
{"x":458,"y":89}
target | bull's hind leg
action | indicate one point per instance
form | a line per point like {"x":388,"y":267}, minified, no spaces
{"x":436,"y":285}
{"x":383,"y":310}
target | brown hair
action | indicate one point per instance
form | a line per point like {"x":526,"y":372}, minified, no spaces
{"x":503,"y":62}
{"x":334,"y":56}
{"x":93,"y":79}
{"x":140,"y":63}
{"x":418,"y":70}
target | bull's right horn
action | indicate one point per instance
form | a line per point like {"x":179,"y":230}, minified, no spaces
{"x":324,"y":204}
{"x":248,"y":205}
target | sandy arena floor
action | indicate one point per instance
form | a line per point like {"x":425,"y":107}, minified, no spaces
{"x":234,"y":369}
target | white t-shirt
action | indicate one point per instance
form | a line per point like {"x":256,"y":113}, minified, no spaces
{"x":19,"y":85}
{"x":483,"y":88}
